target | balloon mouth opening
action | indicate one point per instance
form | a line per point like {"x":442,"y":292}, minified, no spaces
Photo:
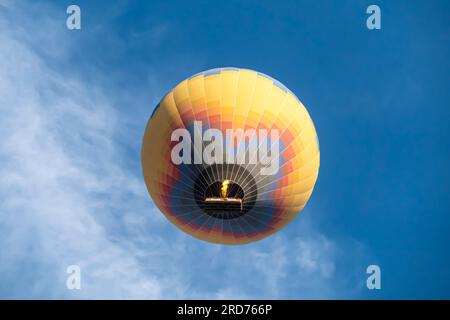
{"x":225,"y":192}
{"x":224,"y":199}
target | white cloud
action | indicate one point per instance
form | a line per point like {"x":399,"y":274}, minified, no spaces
{"x":315,"y":255}
{"x":60,"y":175}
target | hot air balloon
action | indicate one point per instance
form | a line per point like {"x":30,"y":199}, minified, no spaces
{"x":230,"y":156}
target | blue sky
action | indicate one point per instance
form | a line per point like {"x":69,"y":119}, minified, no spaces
{"x":74,"y":106}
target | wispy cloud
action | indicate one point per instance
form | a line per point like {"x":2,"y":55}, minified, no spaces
{"x":60,"y":178}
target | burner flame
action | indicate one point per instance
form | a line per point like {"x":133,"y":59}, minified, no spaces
{"x":224,"y":189}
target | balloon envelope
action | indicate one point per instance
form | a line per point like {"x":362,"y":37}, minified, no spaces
{"x":230,"y":156}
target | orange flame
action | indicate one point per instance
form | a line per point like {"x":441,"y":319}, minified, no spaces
{"x":224,"y":188}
